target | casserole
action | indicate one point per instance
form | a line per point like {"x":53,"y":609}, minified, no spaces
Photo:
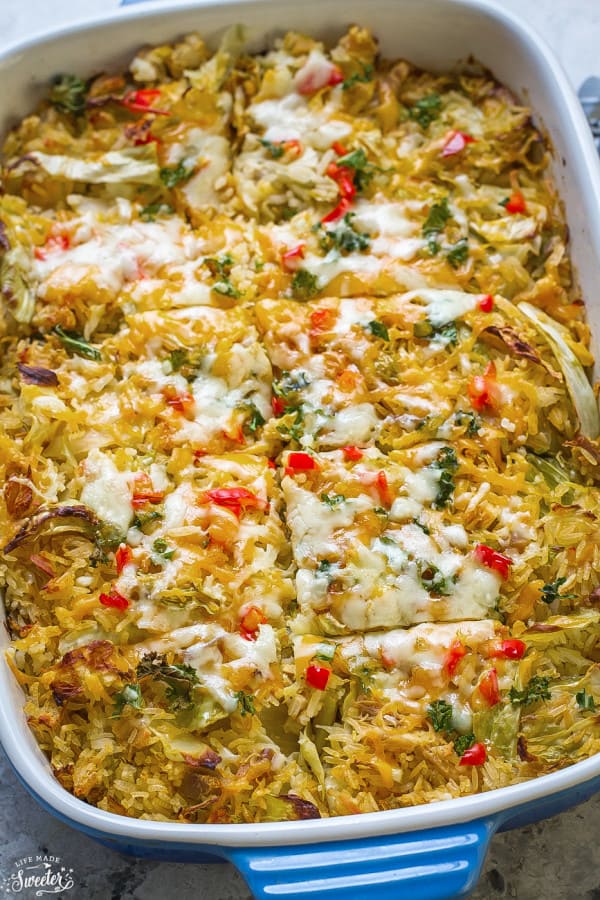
{"x":475,"y":833}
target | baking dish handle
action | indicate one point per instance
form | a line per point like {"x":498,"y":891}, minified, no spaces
{"x":423,"y":865}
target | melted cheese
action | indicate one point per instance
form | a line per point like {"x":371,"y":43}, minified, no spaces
{"x":107,"y":490}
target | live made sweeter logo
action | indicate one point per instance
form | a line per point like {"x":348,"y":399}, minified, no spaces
{"x":34,"y":876}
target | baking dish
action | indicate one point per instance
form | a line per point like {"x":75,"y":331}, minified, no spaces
{"x":433,"y":851}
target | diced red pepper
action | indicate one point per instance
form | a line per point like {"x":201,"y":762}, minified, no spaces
{"x":488,"y":688}
{"x":516,"y":203}
{"x":292,"y":258}
{"x":352,"y":454}
{"x":483,"y":389}
{"x":318,"y":676}
{"x":142,"y":100}
{"x":53,"y":242}
{"x":278,"y":406}
{"x":236,"y":499}
{"x":234,"y":433}
{"x":183,"y":402}
{"x":271,"y":464}
{"x":455,"y":654}
{"x":476,"y":755}
{"x":315,"y":79}
{"x":486,"y":304}
{"x":293,"y":146}
{"x":123,"y":557}
{"x":344,"y":178}
{"x":337,"y":212}
{"x":114,"y":600}
{"x":321,"y":319}
{"x":42,"y":564}
{"x":512,"y":648}
{"x":339,"y":148}
{"x":455,"y":142}
{"x":384,"y":489}
{"x":300,"y":462}
{"x":250,"y":623}
{"x":493,"y":560}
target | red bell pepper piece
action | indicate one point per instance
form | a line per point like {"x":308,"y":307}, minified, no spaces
{"x":181,"y":402}
{"x":236,"y":499}
{"x":337,"y":212}
{"x":516,"y":203}
{"x":339,"y":148}
{"x":291,"y":258}
{"x":455,"y":142}
{"x":493,"y":560}
{"x":321,"y":320}
{"x":512,"y":648}
{"x":352,"y":454}
{"x":483,"y":389}
{"x":142,"y":100}
{"x":384,"y":489}
{"x":455,"y":654}
{"x":300,"y":462}
{"x":325,"y":76}
{"x":114,"y":600}
{"x":486,"y":304}
{"x":250,"y":623}
{"x":318,"y":676}
{"x":53,"y":242}
{"x":488,"y":688}
{"x":123,"y":557}
{"x":476,"y":755}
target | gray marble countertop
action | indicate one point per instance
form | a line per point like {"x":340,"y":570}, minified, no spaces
{"x":558,"y":859}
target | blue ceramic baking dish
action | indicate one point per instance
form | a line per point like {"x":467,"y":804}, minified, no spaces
{"x":429,"y":852}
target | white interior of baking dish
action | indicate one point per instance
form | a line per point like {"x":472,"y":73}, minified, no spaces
{"x":435,"y":34}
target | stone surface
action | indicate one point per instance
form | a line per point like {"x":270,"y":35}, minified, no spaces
{"x":555,"y":860}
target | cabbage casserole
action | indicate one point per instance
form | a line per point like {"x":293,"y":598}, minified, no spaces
{"x":300,"y":508}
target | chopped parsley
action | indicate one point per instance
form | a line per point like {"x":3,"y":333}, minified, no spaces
{"x":161,"y":552}
{"x":468,"y":420}
{"x":463,"y":742}
{"x":426,"y":330}
{"x":295,"y":430}
{"x":332,"y":500}
{"x":245,"y":703}
{"x":435,"y":223}
{"x":345,"y":238}
{"x":178,"y":358}
{"x":363,"y":169}
{"x":220,"y":268}
{"x":440,"y":714}
{"x":358,"y":77}
{"x":256,"y":418}
{"x":323,"y":567}
{"x":304,"y":285}
{"x":276,"y":151}
{"x":142,"y":519}
{"x":551,"y":591}
{"x":425,"y":110}
{"x":172,"y":176}
{"x":447,"y":462}
{"x":458,"y":253}
{"x":68,"y":93}
{"x":178,"y":680}
{"x":432,"y":579}
{"x":535,"y":690}
{"x":378,"y":329}
{"x":585,"y":701}
{"x":150,"y":212}
{"x":75,"y":343}
{"x":131,"y":695}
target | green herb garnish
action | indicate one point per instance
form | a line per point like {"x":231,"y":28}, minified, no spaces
{"x":585,"y":701}
{"x":432,"y":579}
{"x":304,"y":285}
{"x":463,"y":742}
{"x":172,"y":176}
{"x":551,"y":591}
{"x":74,"y":342}
{"x":256,"y":418}
{"x":345,"y":238}
{"x":435,"y":223}
{"x":161,"y":551}
{"x":468,"y":420}
{"x":458,"y":253}
{"x":363,"y":169}
{"x":425,"y":110}
{"x":535,"y":690}
{"x":68,"y":93}
{"x":150,"y":212}
{"x":131,"y":695}
{"x":447,"y":462}
{"x":245,"y":703}
{"x":332,"y":500}
{"x":440,"y":714}
{"x":427,"y":331}
{"x":378,"y":329}
{"x":358,"y":77}
{"x":276,"y":151}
